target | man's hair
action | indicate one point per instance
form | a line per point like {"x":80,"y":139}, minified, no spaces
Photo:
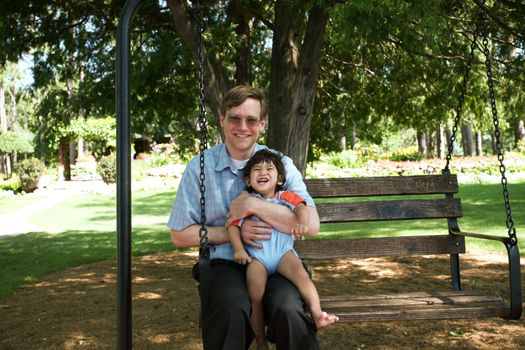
{"x":237,"y":95}
{"x":266,"y":156}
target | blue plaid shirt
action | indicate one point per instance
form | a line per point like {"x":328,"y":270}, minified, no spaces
{"x":224,"y":182}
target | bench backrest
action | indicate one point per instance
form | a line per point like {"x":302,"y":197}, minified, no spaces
{"x":412,"y":208}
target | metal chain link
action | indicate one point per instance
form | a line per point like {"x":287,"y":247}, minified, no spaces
{"x":203,"y":231}
{"x":459,"y":108}
{"x":481,"y":30}
{"x":510,"y":222}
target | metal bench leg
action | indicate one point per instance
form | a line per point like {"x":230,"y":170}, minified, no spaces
{"x":454,"y":272}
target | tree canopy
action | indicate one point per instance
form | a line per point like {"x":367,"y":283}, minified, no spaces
{"x":328,"y":67}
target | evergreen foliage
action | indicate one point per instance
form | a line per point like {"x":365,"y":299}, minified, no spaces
{"x":29,"y":172}
{"x":107,"y":168}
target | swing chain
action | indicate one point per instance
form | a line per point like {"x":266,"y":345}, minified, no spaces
{"x":203,"y":231}
{"x":459,"y":107}
{"x":510,"y":222}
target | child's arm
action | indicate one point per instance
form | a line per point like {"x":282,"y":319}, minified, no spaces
{"x":303,"y":219}
{"x":240,"y":254}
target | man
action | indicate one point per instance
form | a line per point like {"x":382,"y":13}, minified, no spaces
{"x":227,"y":326}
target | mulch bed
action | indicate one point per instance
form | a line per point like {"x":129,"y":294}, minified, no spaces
{"x":75,"y":309}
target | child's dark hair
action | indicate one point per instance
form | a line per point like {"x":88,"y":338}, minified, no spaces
{"x":266,"y":156}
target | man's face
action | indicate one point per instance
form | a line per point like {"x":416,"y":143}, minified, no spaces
{"x":242,"y":125}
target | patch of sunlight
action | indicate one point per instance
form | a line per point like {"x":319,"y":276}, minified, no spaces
{"x":77,"y":340}
{"x":148,"y":296}
{"x":78,"y":280}
{"x":160,"y":339}
{"x":139,"y":279}
{"x":382,"y":269}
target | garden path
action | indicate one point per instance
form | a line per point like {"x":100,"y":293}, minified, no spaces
{"x":17,"y":223}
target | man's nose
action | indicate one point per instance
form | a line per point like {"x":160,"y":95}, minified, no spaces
{"x":243,"y":123}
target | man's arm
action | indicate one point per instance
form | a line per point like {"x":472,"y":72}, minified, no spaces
{"x":278,"y":216}
{"x":189,"y":236}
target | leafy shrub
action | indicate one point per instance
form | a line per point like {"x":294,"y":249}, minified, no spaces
{"x":369,"y":152}
{"x":17,"y":141}
{"x":107,"y":168}
{"x":344,"y":159}
{"x":405,"y":154}
{"x":13,"y":185}
{"x":520,"y":147}
{"x":29,"y":172}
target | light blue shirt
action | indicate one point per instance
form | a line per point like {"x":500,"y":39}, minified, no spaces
{"x":223,"y":182}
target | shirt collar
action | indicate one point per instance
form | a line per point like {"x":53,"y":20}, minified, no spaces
{"x":224,"y":160}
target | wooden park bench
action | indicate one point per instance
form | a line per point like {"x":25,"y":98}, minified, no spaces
{"x":454,"y":303}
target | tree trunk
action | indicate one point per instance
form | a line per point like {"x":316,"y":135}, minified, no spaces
{"x":519,"y":134}
{"x":448,"y":134}
{"x":431,"y":142}
{"x":421,"y":144}
{"x":63,"y":159}
{"x":494,"y":144}
{"x":5,"y":161}
{"x":467,"y":139}
{"x":293,"y":79}
{"x":215,"y":84}
{"x":240,"y":14}
{"x":441,"y":141}
{"x":479,"y":143}
{"x":12,"y":107}
{"x":354,"y":135}
{"x":3,"y":115}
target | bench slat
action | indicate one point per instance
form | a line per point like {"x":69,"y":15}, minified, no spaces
{"x":382,"y":186}
{"x":390,"y":210}
{"x":381,"y":246}
{"x":412,"y":306}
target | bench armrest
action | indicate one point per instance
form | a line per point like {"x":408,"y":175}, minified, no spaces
{"x":504,"y":240}
{"x":513,"y":253}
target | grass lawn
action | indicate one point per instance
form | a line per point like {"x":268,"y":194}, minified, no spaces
{"x":87,"y":233}
{"x":10,"y":204}
{"x":87,"y":229}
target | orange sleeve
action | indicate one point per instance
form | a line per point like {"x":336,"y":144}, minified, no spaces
{"x":292,"y":198}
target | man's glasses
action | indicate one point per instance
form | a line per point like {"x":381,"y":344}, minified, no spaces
{"x":237,"y":121}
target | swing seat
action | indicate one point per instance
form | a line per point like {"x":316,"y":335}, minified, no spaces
{"x":438,"y":203}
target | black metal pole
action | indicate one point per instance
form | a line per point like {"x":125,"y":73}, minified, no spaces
{"x":124,"y":176}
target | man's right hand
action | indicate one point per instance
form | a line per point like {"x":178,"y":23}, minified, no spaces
{"x":252,"y":231}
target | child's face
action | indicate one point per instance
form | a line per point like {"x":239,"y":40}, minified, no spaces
{"x":264,"y":178}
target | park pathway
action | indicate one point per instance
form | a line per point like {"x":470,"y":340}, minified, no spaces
{"x":16,"y":222}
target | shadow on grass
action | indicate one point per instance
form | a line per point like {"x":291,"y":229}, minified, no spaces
{"x":27,"y":258}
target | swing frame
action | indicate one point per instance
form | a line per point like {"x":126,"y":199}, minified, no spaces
{"x":124,"y":310}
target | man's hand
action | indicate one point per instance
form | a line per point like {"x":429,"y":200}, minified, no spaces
{"x":238,"y":208}
{"x":252,"y":231}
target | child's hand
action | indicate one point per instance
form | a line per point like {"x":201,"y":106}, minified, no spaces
{"x":299,"y":230}
{"x":242,"y":258}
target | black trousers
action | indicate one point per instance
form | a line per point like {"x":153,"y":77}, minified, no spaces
{"x":228,"y":325}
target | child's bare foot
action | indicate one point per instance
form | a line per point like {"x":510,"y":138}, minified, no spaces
{"x":324,"y":320}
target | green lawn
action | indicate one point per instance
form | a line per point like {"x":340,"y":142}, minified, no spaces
{"x":87,"y":233}
{"x":10,"y":204}
{"x":87,"y":230}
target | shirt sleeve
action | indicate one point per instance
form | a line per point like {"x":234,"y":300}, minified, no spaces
{"x":186,"y":210}
{"x":294,"y":181}
{"x":292,"y":198}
